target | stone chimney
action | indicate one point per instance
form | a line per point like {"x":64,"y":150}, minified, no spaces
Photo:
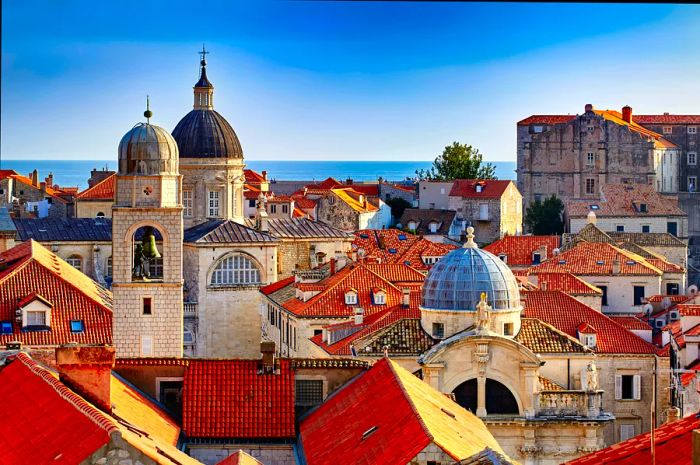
{"x":359,"y":315}
{"x":627,"y":113}
{"x":49,"y":180}
{"x":34,"y":176}
{"x":616,"y":266}
{"x":588,"y":107}
{"x":267,"y":349}
{"x":87,"y":370}
{"x":261,"y":217}
{"x":405,"y":297}
{"x":591,"y":218}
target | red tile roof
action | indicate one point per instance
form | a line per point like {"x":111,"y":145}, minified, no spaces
{"x":43,"y":421}
{"x":519,"y":249}
{"x":688,"y":309}
{"x":631,"y":323}
{"x":103,"y":190}
{"x":252,"y":177}
{"x":406,"y":416}
{"x":687,"y":378}
{"x":666,"y":119}
{"x":675,"y":299}
{"x":566,"y":314}
{"x":371,"y":190}
{"x":624,"y":200}
{"x":673,"y":445}
{"x":596,"y":259}
{"x":240,"y":458}
{"x":491,"y":189}
{"x":229,"y":399}
{"x":387,"y":246}
{"x":546,"y":119}
{"x":33,"y":270}
{"x":566,"y":282}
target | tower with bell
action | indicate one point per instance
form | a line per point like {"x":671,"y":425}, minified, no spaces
{"x":147,"y":235}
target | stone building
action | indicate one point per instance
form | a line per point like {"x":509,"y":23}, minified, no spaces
{"x":148,"y":198}
{"x":493,"y":208}
{"x":434,"y":194}
{"x":435,"y":225}
{"x":27,"y":196}
{"x":522,"y":252}
{"x":96,"y":201}
{"x":629,"y":208}
{"x":572,"y":157}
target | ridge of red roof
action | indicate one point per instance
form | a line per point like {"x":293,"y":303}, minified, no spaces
{"x":270,"y":288}
{"x":566,"y":314}
{"x":566,"y":282}
{"x":491,"y":188}
{"x":666,"y":119}
{"x":596,"y":259}
{"x":519,"y":249}
{"x":103,"y":190}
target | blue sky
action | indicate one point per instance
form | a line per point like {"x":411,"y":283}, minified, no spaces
{"x":325,"y":80}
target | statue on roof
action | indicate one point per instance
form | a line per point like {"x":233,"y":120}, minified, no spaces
{"x":591,"y":377}
{"x":482,"y":314}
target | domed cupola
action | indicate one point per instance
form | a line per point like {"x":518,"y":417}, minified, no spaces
{"x":204,"y":133}
{"x":148,"y":150}
{"x":453,"y":290}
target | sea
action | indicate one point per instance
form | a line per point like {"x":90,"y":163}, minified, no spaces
{"x":69,"y":173}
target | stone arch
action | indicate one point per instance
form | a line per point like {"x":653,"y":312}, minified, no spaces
{"x":155,"y":267}
{"x":500,"y":400}
{"x":236,"y":273}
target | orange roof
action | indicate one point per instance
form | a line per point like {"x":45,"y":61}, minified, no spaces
{"x":356,"y":200}
{"x":546,"y":119}
{"x":31,"y":269}
{"x":589,"y":259}
{"x":667,"y":119}
{"x":103,"y":190}
{"x":631,"y":322}
{"x":407,"y":415}
{"x":673,"y":445}
{"x":565,"y":282}
{"x":519,"y":249}
{"x":395,"y":246}
{"x":568,"y":314}
{"x":626,"y":200}
{"x":253,"y":177}
{"x":491,"y":188}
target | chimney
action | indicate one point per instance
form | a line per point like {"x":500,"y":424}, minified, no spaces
{"x":616,"y":266}
{"x":267,"y":349}
{"x":588,"y":107}
{"x":264,"y":175}
{"x":87,"y":370}
{"x":627,"y":113}
{"x":405,"y":297}
{"x":35,"y":178}
{"x":543,"y":285}
{"x":673,"y":414}
{"x":333,"y":266}
{"x":359,"y":315}
{"x":49,"y":180}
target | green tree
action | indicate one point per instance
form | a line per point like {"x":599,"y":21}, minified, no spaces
{"x":398,"y":205}
{"x":545,"y":218}
{"x":458,"y":161}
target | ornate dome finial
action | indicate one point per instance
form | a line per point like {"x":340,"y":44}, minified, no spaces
{"x":148,"y":113}
{"x":203,"y":61}
{"x":470,"y":244}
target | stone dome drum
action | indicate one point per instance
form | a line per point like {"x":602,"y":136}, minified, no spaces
{"x":148,"y":150}
{"x":455,"y":283}
{"x":204,"y":133}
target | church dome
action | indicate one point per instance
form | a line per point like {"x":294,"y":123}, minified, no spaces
{"x":204,"y":133}
{"x":148,"y":150}
{"x":455,"y":283}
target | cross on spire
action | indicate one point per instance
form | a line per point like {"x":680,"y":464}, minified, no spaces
{"x":203,"y":54}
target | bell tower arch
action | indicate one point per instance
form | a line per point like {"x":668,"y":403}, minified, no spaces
{"x":147,"y":245}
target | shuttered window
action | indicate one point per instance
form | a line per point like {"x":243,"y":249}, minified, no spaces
{"x":628,"y":387}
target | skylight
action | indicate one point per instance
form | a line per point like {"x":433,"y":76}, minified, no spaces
{"x":364,"y":236}
{"x":77,"y":326}
{"x":402,"y":237}
{"x":595,"y":207}
{"x":5,"y":327}
{"x":392,"y":250}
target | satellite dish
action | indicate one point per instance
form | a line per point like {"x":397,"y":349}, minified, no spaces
{"x":648,"y":309}
{"x":665,"y":303}
{"x":692,"y":290}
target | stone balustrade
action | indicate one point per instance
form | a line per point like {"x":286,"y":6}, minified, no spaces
{"x":569,"y":403}
{"x":190,"y":308}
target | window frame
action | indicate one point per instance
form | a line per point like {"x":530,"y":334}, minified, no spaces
{"x":634,"y":388}
{"x":351,"y":298}
{"x":187,"y":203}
{"x":438,"y":330}
{"x":590,"y":186}
{"x":235,"y":269}
{"x":213,"y":204}
{"x":81,"y":325}
{"x":590,"y":159}
{"x":73,"y":258}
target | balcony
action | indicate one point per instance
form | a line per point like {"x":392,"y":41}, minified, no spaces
{"x":190,"y":309}
{"x":568,"y":404}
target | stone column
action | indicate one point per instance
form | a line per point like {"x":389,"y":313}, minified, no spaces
{"x":431,"y":374}
{"x":481,"y":396}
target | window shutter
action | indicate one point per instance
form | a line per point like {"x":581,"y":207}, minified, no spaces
{"x":637,"y":386}
{"x":618,"y":387}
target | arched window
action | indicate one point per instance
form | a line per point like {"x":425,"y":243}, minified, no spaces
{"x":76,"y":261}
{"x":499,"y":399}
{"x":100,"y":215}
{"x":235,"y":270}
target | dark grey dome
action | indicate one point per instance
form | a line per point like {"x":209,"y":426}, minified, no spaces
{"x":147,"y":150}
{"x":206,"y":134}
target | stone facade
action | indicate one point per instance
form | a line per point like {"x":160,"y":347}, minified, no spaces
{"x":304,"y":254}
{"x":118,"y":452}
{"x":656,"y":224}
{"x":93,"y":208}
{"x":434,"y":194}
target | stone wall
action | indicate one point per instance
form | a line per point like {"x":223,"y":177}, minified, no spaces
{"x":621,"y":290}
{"x":90,"y":208}
{"x":333,"y":211}
{"x":268,"y":454}
{"x":657,"y":224}
{"x":433,"y":194}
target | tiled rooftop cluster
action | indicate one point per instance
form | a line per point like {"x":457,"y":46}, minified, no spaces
{"x":395,"y":246}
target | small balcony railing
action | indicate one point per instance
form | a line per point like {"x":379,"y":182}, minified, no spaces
{"x":190,"y":308}
{"x":560,"y":404}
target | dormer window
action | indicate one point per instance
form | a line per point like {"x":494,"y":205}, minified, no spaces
{"x":433,"y":226}
{"x":479,"y":188}
{"x":587,"y":335}
{"x":412,"y":225}
{"x":536,"y":258}
{"x":503,"y":257}
{"x":589,"y":340}
{"x":379,"y":297}
{"x":351,"y":297}
{"x":36,"y":313}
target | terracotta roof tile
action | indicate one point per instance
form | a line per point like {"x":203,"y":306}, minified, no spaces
{"x":407,"y":415}
{"x":631,"y":322}
{"x":666,"y":119}
{"x":240,"y":458}
{"x":395,"y":246}
{"x":253,"y":177}
{"x":673,"y":445}
{"x":32,"y":269}
{"x":547,"y":384}
{"x":597,"y":259}
{"x":565,"y":282}
{"x":543,"y":338}
{"x":491,"y":188}
{"x":229,"y":399}
{"x":626,"y":200}
{"x":423,"y":217}
{"x":566,"y":314}
{"x":520,"y":249}
{"x":546,"y":119}
{"x":103,"y":190}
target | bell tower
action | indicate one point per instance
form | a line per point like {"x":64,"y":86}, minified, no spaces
{"x":147,"y":245}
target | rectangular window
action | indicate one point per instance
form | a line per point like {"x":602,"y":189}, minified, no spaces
{"x":537,"y":129}
{"x":350,"y":298}
{"x":251,"y":203}
{"x":507,"y":329}
{"x":672,"y":289}
{"x":627,"y":432}
{"x":36,"y":318}
{"x":285,"y":208}
{"x":604,"y":300}
{"x":672,"y":228}
{"x":692,"y":183}
{"x":308,"y":392}
{"x":147,"y":306}
{"x":628,"y":387}
{"x":590,"y":159}
{"x":318,"y":332}
{"x":646,"y":228}
{"x":638,"y":295}
{"x":77,"y":326}
{"x":668,"y":129}
{"x":536,"y":258}
{"x":146,"y":346}
{"x":213,"y":204}
{"x":692,"y":130}
{"x":483,"y":211}
{"x":692,"y":158}
{"x":187,"y":203}
{"x":590,"y":186}
{"x":620,"y":228}
{"x":438,"y":330}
